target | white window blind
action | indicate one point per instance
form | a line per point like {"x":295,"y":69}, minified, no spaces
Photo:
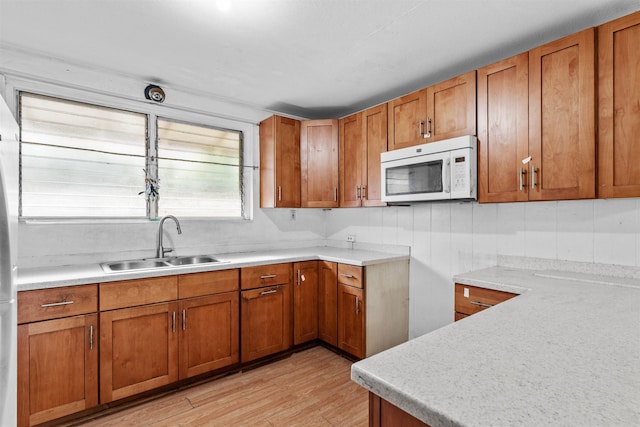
{"x":81,"y":160}
{"x":200,"y":170}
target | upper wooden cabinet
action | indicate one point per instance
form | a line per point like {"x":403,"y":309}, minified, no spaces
{"x":547,"y":153}
{"x":363,"y":136}
{"x":441,"y":111}
{"x":319,"y":163}
{"x":619,"y":112}
{"x":279,"y":163}
{"x":562,"y":118}
{"x":503,"y":130}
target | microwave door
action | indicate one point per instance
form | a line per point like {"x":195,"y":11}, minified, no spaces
{"x":420,"y":178}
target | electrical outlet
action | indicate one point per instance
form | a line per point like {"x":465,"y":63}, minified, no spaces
{"x":351,"y":238}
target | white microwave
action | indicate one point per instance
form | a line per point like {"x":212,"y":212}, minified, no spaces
{"x":443,"y":170}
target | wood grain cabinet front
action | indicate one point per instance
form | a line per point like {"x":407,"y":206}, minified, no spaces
{"x":305,"y":301}
{"x":280,"y":163}
{"x":471,"y":299}
{"x":57,"y":352}
{"x":265,"y":310}
{"x":319,"y":163}
{"x":444,"y":110}
{"x":619,"y":110}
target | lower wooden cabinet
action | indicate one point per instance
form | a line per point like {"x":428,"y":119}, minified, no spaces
{"x":305,"y":301}
{"x":351,"y":320}
{"x":209,"y":336}
{"x":471,"y":299}
{"x":138,"y":350}
{"x":328,"y":302}
{"x":385,"y":414}
{"x":57,"y":368}
{"x":57,"y":352}
{"x":265,"y":321}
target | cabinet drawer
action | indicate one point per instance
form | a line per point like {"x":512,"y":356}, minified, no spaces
{"x":129,"y":293}
{"x":265,"y":275}
{"x":350,"y":275}
{"x":45,"y":304}
{"x":209,"y":283}
{"x":478,"y":299}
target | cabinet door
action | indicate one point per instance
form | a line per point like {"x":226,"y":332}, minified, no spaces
{"x":351,"y":160}
{"x":374,"y":131}
{"x":503,"y":130}
{"x":138,"y":350}
{"x":279,"y":162}
{"x":451,"y":108}
{"x":406,"y":120}
{"x":305,"y":301}
{"x":209,"y":336}
{"x":266,"y":321}
{"x":57,"y":368}
{"x":619,"y":114}
{"x":351,"y":320}
{"x":562,"y":118}
{"x":319,"y":163}
{"x":328,"y":303}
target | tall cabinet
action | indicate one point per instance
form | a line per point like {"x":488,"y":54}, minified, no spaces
{"x":619,"y":112}
{"x":319,"y":163}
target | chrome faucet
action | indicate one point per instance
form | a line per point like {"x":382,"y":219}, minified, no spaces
{"x":160,"y":250}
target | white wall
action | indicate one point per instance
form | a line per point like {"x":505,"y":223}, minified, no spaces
{"x":452,"y":238}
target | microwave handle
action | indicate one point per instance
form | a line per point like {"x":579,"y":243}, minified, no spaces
{"x":447,"y":176}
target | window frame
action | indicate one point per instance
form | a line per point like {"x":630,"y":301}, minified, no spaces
{"x":15,"y":85}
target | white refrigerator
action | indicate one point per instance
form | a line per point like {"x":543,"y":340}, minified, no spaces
{"x":9,"y":136}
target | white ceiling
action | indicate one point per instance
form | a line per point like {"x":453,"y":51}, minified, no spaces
{"x":307,"y":58}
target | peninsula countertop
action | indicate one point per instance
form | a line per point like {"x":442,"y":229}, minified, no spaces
{"x":79,"y":274}
{"x":566,"y":352}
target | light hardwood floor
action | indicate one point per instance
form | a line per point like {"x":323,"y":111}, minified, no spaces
{"x":310,"y":388}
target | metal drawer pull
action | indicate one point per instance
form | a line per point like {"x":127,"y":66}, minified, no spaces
{"x":184,"y":320}
{"x":268,"y":276}
{"x":271,"y":291}
{"x":357,"y":306}
{"x":481,"y":304}
{"x":91,"y":337}
{"x":56,"y":304}
{"x":348,"y":276}
{"x":522,"y":179}
{"x":533,"y":177}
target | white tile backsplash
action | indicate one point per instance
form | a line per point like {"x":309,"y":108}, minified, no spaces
{"x":444,"y":239}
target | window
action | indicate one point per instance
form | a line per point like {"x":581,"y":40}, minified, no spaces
{"x":80,"y":160}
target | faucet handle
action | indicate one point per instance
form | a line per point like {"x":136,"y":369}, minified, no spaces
{"x":165,"y":251}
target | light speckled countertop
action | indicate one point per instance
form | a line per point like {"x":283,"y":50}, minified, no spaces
{"x":51,"y":277}
{"x":565,"y":352}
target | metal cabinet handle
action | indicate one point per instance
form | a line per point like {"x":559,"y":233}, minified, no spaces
{"x":348,"y":276}
{"x":422,"y":134}
{"x":173,"y":327}
{"x":270,"y":291}
{"x":427,"y":134}
{"x":56,"y":304}
{"x":357,"y":306}
{"x":267,"y":276}
{"x":184,"y":320}
{"x":335,"y":194}
{"x":357,"y":192}
{"x":533,"y":177}
{"x":364,"y":193}
{"x":521,"y":179}
{"x":91,"y":337}
{"x":279,"y":193}
{"x":481,"y":304}
{"x":298,"y":279}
